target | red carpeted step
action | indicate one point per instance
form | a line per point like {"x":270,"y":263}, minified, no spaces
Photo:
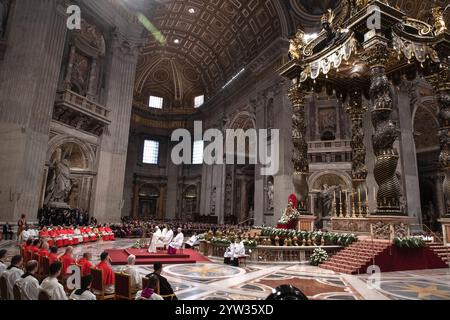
{"x":119,"y":257}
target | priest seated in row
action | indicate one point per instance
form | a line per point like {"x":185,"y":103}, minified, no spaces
{"x":131,"y":270}
{"x":165,"y":289}
{"x":85,"y":264}
{"x":177,"y":243}
{"x":51,"y":285}
{"x":108,"y":274}
{"x":28,"y":284}
{"x":12,"y":274}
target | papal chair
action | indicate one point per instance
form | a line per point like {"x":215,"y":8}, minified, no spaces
{"x":97,"y":285}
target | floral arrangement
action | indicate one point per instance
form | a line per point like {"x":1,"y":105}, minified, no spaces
{"x":318,"y":257}
{"x":410,"y":242}
{"x":287,"y":219}
{"x":250,"y":243}
{"x":317,"y":237}
{"x":136,"y":245}
{"x":220,"y":242}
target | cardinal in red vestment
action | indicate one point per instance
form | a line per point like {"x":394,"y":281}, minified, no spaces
{"x":85,"y":264}
{"x":67,"y":260}
{"x":108,"y":274}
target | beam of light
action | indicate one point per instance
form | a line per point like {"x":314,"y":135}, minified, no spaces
{"x":152,"y":29}
{"x":233,"y":78}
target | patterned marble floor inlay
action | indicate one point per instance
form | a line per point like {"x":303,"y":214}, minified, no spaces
{"x":215,"y":281}
{"x":206,"y":271}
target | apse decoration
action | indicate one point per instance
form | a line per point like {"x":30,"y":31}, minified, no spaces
{"x":364,"y":49}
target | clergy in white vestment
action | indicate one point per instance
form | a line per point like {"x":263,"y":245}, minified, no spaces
{"x":153,"y":248}
{"x":168,"y":237}
{"x":229,"y":254}
{"x":2,"y":261}
{"x":12,"y":274}
{"x":164,"y":231}
{"x":193,"y":241}
{"x":239,"y":251}
{"x":177,"y":242}
{"x":25,"y":235}
{"x":54,"y":289}
{"x":28,"y":284}
{"x":77,"y":234}
{"x":130,"y":269}
{"x":84,"y":293}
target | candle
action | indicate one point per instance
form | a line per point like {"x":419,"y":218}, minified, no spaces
{"x":359,"y":195}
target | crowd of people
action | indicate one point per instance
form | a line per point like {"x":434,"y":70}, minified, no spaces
{"x":131,"y":227}
{"x":25,"y":274}
{"x":58,"y":217}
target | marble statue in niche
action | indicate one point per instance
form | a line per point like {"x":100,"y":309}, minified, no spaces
{"x":59,"y":183}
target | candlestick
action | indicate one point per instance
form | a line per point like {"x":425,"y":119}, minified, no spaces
{"x":359,"y":203}
{"x":367,"y":202}
{"x":354,"y":206}
{"x":340,"y":203}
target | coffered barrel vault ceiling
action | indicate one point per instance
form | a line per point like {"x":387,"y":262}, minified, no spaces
{"x":209,"y":41}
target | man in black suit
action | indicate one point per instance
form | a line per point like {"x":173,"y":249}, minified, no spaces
{"x":165,"y":289}
{"x":7,"y":231}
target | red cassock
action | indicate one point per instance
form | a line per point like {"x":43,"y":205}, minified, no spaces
{"x":43,"y":234}
{"x":44,"y":253}
{"x":34,"y":249}
{"x":108,"y":274}
{"x":86,"y":266}
{"x":52,"y":257}
{"x":66,"y":261}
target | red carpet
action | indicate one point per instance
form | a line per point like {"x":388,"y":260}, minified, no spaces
{"x":119,"y":257}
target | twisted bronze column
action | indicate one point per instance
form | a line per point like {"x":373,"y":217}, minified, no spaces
{"x":441,"y":83}
{"x":356,"y":110}
{"x":300,"y":153}
{"x":388,"y":198}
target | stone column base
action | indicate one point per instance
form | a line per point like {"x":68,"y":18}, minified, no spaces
{"x":445,"y":230}
{"x":306,"y":223}
{"x":353,"y":225}
{"x":390,"y":227}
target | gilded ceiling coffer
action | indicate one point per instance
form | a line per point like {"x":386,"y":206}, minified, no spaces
{"x":297,"y":97}
{"x":356,"y":110}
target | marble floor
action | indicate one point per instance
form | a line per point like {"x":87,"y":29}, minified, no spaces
{"x":215,"y":281}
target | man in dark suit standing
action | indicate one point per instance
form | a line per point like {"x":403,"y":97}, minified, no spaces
{"x":165,"y":289}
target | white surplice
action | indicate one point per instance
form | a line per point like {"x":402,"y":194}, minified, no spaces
{"x":29,"y":287}
{"x":239,"y":250}
{"x":155,"y":241}
{"x":136,"y":279}
{"x":168,"y":238}
{"x":11,"y":276}
{"x":54,"y":289}
{"x":177,"y":243}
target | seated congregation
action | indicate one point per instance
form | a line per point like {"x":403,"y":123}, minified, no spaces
{"x":50,"y":275}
